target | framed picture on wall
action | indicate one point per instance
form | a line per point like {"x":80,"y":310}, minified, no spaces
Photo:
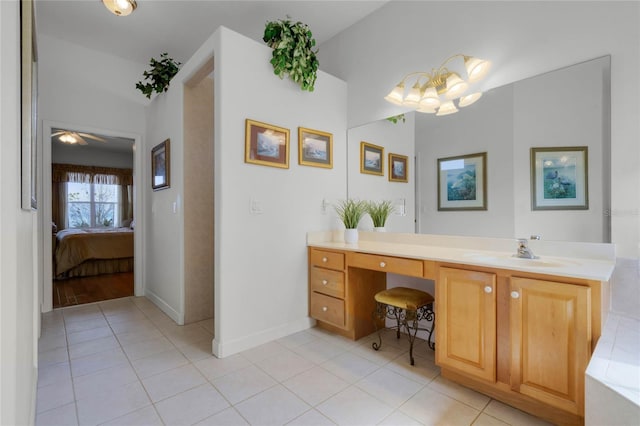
{"x":462,"y":182}
{"x":398,"y":168}
{"x":160,"y":166}
{"x":266,"y":144}
{"x":559,"y":178}
{"x":371,"y":159}
{"x":315,"y":148}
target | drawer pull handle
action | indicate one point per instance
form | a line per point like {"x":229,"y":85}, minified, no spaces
{"x":382,"y":264}
{"x":488,"y":289}
{"x":515,"y":295}
{"x":325,"y":309}
{"x":324,"y":259}
{"x":325,"y":282}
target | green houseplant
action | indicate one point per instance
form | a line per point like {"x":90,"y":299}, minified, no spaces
{"x":159,"y":75}
{"x":350,"y":212}
{"x":379,"y":213}
{"x":293,"y":52}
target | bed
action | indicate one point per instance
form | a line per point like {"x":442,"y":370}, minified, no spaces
{"x":93,"y":251}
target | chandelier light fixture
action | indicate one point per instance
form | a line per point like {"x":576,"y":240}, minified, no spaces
{"x":120,"y":7}
{"x":434,"y":92}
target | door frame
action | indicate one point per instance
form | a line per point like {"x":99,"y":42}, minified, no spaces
{"x":45,"y":214}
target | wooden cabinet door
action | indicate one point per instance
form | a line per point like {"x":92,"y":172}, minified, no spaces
{"x":550,"y":341}
{"x":466,"y":322}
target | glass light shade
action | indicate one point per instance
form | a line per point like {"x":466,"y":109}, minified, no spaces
{"x":413,"y":97}
{"x":120,"y":7}
{"x":67,"y":138}
{"x":446,"y":109}
{"x":469,"y":99}
{"x":430,"y":100}
{"x":477,"y":69}
{"x":455,"y":86}
{"x":426,"y":110}
{"x":396,"y":95}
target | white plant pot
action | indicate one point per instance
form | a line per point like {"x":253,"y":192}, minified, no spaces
{"x":351,"y":236}
{"x":379,"y":229}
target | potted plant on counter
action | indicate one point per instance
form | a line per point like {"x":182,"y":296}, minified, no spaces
{"x":350,"y":212}
{"x":379,"y":213}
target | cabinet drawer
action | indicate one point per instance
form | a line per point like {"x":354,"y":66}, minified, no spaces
{"x":327,"y":281}
{"x":327,"y":259}
{"x":396,"y":265}
{"x":327,"y":309}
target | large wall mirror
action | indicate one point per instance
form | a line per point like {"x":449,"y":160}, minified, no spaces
{"x":569,"y":107}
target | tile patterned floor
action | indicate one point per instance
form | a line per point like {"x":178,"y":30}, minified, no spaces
{"x":124,"y":362}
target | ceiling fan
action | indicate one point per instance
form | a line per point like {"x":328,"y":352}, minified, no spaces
{"x":73,"y":138}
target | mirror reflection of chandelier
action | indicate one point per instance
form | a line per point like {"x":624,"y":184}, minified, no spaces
{"x":120,"y":7}
{"x":436,"y":91}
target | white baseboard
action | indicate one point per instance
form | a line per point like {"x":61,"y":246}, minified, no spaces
{"x":164,"y":307}
{"x":229,"y":347}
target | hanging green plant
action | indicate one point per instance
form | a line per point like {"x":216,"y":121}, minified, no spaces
{"x":293,"y":53}
{"x":160,"y":74}
{"x":396,"y":118}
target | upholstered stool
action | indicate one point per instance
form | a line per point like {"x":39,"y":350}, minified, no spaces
{"x":407,"y":306}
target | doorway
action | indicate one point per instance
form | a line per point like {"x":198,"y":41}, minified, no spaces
{"x":89,"y":182}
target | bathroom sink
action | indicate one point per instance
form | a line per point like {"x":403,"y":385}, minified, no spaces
{"x":510,"y":260}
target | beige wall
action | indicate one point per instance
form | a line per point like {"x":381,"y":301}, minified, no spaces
{"x":198,"y":200}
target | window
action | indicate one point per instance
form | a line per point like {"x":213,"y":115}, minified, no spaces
{"x":92,"y":205}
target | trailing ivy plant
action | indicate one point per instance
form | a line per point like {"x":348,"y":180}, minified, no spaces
{"x":293,"y":52}
{"x":396,"y":118}
{"x":160,"y":74}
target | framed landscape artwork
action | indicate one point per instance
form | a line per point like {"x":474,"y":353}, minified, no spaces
{"x":160,"y":165}
{"x":398,"y":168}
{"x":371,"y":159}
{"x":559,"y":178}
{"x":462,"y":182}
{"x":266,"y":144}
{"x":315,"y":148}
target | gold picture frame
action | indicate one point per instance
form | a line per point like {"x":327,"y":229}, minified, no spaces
{"x":371,"y":159}
{"x":315,"y":148}
{"x":266,"y":144}
{"x":398,"y":168}
{"x":160,"y":166}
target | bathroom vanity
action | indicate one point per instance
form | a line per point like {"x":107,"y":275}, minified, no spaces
{"x":519,"y":330}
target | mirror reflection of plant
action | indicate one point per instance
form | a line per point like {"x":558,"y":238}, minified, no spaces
{"x":293,"y":52}
{"x":380,"y":212}
{"x":160,"y":74}
{"x":350,"y":212}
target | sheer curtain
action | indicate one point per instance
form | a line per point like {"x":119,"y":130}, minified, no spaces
{"x":63,"y":173}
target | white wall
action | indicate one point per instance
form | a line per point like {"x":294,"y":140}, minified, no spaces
{"x":522,"y":39}
{"x":162,"y":221}
{"x":394,"y":138}
{"x":19,"y":318}
{"x":486,"y":126}
{"x":93,"y":92}
{"x":261,"y":260}
{"x":86,"y":156}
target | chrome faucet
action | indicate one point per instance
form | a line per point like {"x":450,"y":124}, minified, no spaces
{"x":524,"y":251}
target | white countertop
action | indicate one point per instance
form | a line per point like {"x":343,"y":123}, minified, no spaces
{"x":593,"y":261}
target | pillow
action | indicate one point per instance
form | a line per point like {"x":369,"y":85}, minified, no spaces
{"x":126,"y":223}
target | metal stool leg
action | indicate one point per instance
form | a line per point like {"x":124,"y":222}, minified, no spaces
{"x":379,"y":314}
{"x":412,"y":337}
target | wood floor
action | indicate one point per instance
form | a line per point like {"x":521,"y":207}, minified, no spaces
{"x":76,"y":291}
